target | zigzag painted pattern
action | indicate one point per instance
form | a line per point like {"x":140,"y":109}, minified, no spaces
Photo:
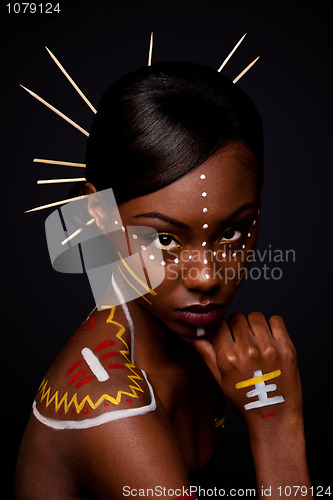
{"x":44,"y":392}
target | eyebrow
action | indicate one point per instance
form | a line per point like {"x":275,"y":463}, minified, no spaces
{"x":175,"y":222}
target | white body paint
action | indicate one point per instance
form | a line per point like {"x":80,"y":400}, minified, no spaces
{"x":200,"y":332}
{"x":261,"y":390}
{"x":95,"y":365}
{"x":101,"y":419}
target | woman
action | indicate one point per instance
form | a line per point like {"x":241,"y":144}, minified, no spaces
{"x":181,"y":147}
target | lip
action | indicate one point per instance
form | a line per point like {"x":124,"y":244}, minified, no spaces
{"x":200,"y":315}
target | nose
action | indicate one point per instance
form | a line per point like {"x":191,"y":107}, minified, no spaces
{"x":201,"y":275}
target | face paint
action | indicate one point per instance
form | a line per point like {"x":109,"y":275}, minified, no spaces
{"x":261,"y":389}
{"x":205,"y":226}
{"x":200,"y":332}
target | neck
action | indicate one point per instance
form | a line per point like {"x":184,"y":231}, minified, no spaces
{"x":155,"y":345}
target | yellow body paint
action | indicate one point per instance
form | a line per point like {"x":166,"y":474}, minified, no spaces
{"x":44,"y":391}
{"x":240,"y":279}
{"x":220,"y":422}
{"x":256,"y":380}
{"x":135,"y":276}
{"x":131,"y":285}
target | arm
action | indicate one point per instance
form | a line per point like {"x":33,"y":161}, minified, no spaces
{"x":124,"y":456}
{"x":239,"y":357}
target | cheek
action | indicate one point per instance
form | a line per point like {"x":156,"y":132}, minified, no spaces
{"x":237,"y":260}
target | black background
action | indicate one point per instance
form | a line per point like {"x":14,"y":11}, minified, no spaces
{"x":99,"y":41}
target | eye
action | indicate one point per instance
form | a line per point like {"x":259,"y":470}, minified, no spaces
{"x":231,"y":235}
{"x":166,"y":241}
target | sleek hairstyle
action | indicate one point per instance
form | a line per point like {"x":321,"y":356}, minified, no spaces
{"x":157,"y":123}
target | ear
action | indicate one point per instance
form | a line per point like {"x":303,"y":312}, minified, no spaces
{"x":95,"y":206}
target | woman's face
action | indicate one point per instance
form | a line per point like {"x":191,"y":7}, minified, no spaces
{"x":207,"y":221}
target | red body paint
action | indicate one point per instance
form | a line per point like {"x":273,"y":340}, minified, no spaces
{"x":77,"y":376}
{"x":110,"y":354}
{"x":117,"y":365}
{"x":270,"y":414}
{"x":84,"y":381}
{"x":73,"y":367}
{"x":103,"y":345}
{"x":90,"y":326}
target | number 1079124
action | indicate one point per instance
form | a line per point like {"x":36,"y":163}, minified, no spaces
{"x":33,"y":8}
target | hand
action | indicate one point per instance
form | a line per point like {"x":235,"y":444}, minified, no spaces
{"x":244,"y":346}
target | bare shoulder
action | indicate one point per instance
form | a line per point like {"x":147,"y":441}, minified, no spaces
{"x":93,"y":380}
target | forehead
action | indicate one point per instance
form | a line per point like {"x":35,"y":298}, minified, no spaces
{"x":227,"y":180}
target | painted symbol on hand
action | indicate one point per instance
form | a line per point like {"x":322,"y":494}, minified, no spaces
{"x":261,"y":389}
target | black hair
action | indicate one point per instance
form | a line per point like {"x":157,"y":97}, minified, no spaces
{"x":157,"y":123}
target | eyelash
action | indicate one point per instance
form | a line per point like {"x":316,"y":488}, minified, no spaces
{"x":172,"y":236}
{"x":239,"y":229}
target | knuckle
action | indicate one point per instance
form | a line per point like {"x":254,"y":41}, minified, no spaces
{"x":228,"y":361}
{"x":270,"y":353}
{"x":289,"y":353}
{"x":252,"y":352}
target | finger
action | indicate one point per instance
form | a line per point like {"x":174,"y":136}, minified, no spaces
{"x":259,"y":326}
{"x":278,"y":329}
{"x":240,"y":328}
{"x":207,"y":353}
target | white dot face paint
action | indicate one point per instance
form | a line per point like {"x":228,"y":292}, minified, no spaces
{"x":151,"y":257}
{"x":254,"y":222}
{"x":116,"y":222}
{"x":200,"y":332}
{"x":249,"y":235}
{"x":207,"y":276}
{"x":163,"y":263}
{"x":176,"y":260}
{"x":123,"y":229}
{"x":143,"y":247}
{"x":134,"y":236}
{"x":204,"y":210}
{"x":205,"y":261}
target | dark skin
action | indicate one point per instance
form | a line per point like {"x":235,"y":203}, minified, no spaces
{"x":190,"y":375}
